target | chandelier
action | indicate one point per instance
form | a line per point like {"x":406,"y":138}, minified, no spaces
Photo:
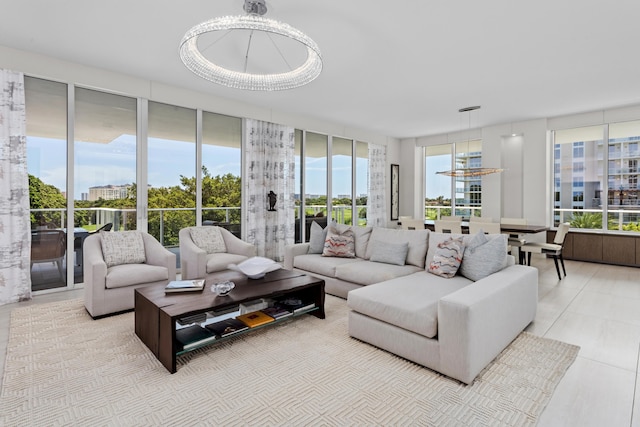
{"x":469,"y":172}
{"x":195,"y":61}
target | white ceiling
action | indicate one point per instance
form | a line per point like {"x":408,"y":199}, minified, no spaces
{"x":399,"y":68}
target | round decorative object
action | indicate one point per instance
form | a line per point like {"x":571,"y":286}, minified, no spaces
{"x":222,"y":289}
{"x":256,"y":267}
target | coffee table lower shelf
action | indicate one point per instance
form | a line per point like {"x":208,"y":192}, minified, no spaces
{"x":156,"y":313}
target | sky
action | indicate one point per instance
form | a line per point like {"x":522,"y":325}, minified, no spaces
{"x":98,"y":164}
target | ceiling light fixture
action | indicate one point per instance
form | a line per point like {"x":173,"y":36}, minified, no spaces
{"x":469,"y":172}
{"x":195,"y":61}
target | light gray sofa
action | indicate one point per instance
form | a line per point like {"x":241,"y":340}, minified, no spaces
{"x":196,"y":263}
{"x":109,"y":290}
{"x":452,"y":325}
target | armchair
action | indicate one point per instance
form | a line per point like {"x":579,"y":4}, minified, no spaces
{"x":110,"y":289}
{"x":197,"y":263}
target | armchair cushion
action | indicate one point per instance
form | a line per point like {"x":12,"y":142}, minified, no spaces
{"x":133,"y":274}
{"x":209,"y":239}
{"x":123,"y":247}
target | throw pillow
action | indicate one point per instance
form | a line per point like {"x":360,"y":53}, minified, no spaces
{"x":209,"y":239}
{"x":484,"y":256}
{"x":389,"y":253}
{"x":122,"y":247}
{"x":316,"y":239}
{"x":340,"y":242}
{"x":447,"y":258}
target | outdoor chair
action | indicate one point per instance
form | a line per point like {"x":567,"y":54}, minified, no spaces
{"x":49,"y":246}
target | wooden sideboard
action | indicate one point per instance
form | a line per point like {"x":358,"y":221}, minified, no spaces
{"x":603,"y":248}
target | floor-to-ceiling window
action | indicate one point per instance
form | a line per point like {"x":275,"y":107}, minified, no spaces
{"x":221,"y":171}
{"x":342,"y":180}
{"x":46,"y":112}
{"x":438,"y":187}
{"x":362,"y":182}
{"x":468,"y":194}
{"x":171,"y":171}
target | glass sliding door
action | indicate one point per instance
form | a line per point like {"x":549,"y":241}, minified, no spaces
{"x":622,"y":176}
{"x":46,"y":112}
{"x":342,"y":180}
{"x":171,"y":171}
{"x":468,"y":193}
{"x":104,"y":164}
{"x":298,"y":185}
{"x":221,"y":171}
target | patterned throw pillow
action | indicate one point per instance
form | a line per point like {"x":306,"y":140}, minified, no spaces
{"x":447,"y":258}
{"x":122,"y":247}
{"x":209,"y":239}
{"x":340,"y":242}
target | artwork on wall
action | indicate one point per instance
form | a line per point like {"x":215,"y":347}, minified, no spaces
{"x":395,"y":191}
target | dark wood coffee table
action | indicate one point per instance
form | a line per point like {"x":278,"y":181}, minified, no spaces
{"x":156,"y":312}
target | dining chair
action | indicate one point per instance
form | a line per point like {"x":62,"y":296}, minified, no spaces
{"x":48,"y":246}
{"x":552,"y":249}
{"x":516,"y":240}
{"x":486,"y":227}
{"x":444,"y":226}
{"x":480,"y":219}
{"x":413,"y":224}
{"x":451,"y":218}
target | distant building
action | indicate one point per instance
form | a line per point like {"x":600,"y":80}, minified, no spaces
{"x":109,"y":192}
{"x":84,"y":196}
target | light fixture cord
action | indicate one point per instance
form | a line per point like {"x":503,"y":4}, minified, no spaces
{"x":246,"y":57}
{"x":279,"y":51}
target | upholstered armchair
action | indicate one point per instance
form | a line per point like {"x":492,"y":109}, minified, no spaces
{"x":208,"y":249}
{"x":116,"y":263}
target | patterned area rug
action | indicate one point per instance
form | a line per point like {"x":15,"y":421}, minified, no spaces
{"x":63,"y":368}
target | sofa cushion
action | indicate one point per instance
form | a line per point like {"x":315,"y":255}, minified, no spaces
{"x":362,"y":236}
{"x":208,"y":238}
{"x":221,"y":261}
{"x":317,"y":236}
{"x":340,"y":242}
{"x":368,"y":272}
{"x":447,"y":258}
{"x":123,"y":275}
{"x":122,"y":247}
{"x":417,"y":240}
{"x":408,"y":302}
{"x":484,"y":255}
{"x":434,"y":240}
{"x":316,"y":263}
{"x":389,"y":253}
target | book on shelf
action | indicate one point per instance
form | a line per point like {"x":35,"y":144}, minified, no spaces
{"x":304,"y":308}
{"x":295,"y":305}
{"x":277,"y":312}
{"x":184,"y":286}
{"x":193,"y":336}
{"x":226,"y":327}
{"x":255,"y":318}
{"x":195,"y":318}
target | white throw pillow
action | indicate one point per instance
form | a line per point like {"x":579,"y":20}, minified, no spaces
{"x":389,"y":253}
{"x":484,"y":255}
{"x":209,"y":239}
{"x":122,"y":247}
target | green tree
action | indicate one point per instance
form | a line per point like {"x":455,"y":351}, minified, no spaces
{"x":45,"y":196}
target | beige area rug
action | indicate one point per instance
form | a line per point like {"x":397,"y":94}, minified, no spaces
{"x":63,"y":368}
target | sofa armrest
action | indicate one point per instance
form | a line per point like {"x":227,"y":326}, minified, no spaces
{"x":95,"y":273}
{"x":237,"y":246}
{"x":157,"y":254}
{"x":478,"y":321}
{"x":292,"y":251}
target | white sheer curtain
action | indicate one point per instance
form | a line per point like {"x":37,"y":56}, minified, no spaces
{"x":376,"y":202}
{"x":269,"y":165}
{"x":15,"y":224}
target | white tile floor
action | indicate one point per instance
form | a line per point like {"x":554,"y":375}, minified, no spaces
{"x":596,"y":307}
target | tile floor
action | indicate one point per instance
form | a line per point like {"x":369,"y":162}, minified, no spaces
{"x":596,"y":307}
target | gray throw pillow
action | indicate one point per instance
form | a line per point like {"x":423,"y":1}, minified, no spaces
{"x":316,"y":239}
{"x":484,"y":256}
{"x":389,"y":253}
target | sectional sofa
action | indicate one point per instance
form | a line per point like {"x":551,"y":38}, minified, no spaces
{"x":454,"y":325}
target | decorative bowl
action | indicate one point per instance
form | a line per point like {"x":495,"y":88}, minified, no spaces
{"x":223,"y":288}
{"x":256,"y":267}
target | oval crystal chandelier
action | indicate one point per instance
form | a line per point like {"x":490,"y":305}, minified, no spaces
{"x":195,"y":61}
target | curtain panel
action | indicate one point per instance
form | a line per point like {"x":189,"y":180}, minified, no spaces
{"x":268,"y":180}
{"x":15,"y":224}
{"x":376,"y":202}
